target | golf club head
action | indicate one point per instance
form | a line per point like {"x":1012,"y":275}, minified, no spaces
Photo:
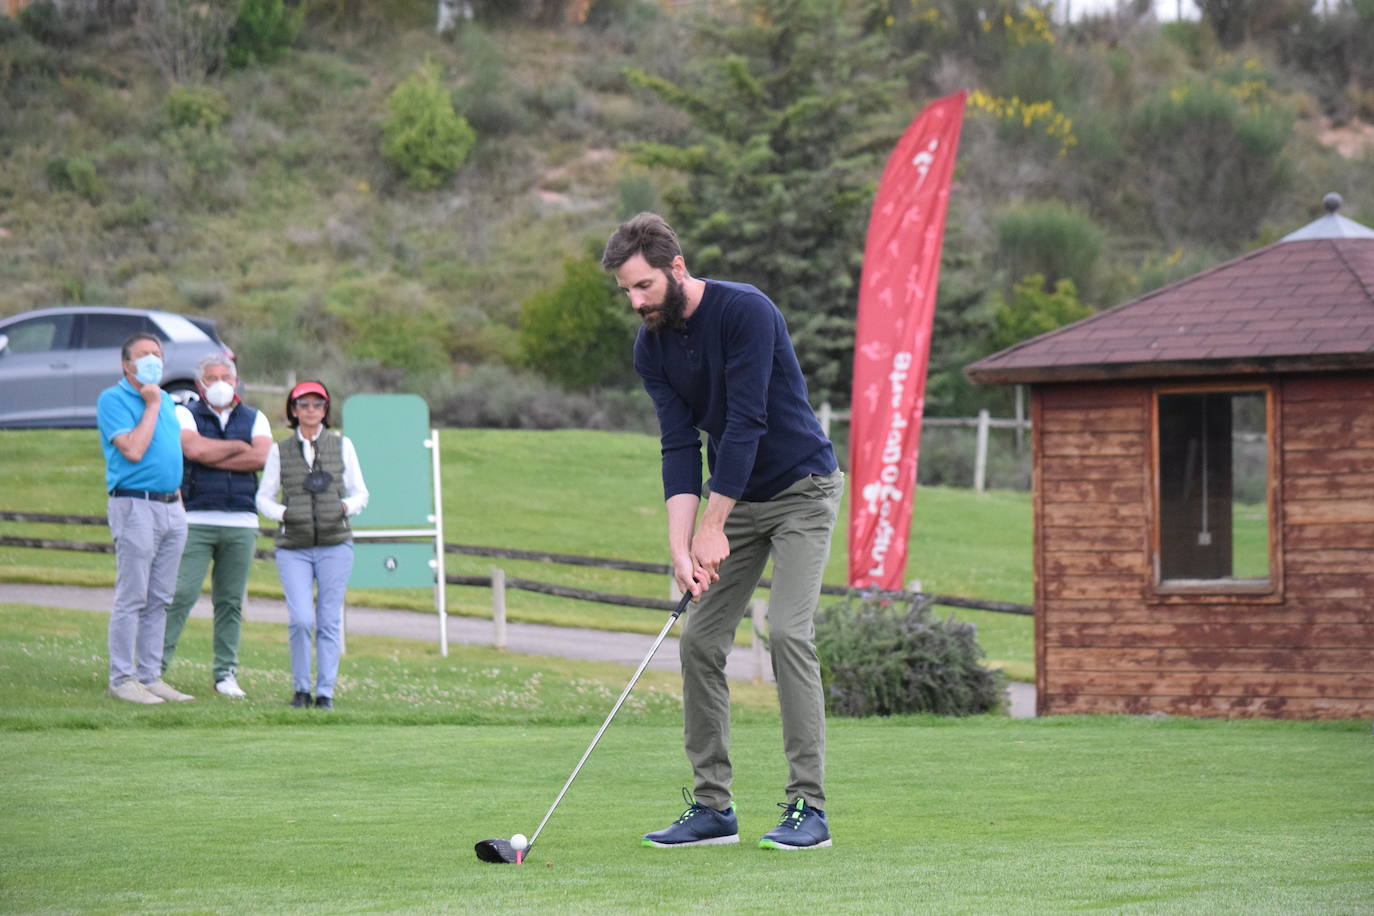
{"x":495,"y":850}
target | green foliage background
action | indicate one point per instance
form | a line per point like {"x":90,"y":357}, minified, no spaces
{"x":579,"y":333}
{"x":259,"y":194}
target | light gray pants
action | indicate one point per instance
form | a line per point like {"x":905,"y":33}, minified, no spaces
{"x":148,"y":539}
{"x":793,"y":527}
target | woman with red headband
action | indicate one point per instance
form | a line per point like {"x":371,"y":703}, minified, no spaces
{"x":316,"y":471}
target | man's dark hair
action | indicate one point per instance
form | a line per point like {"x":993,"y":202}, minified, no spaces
{"x":647,"y":234}
{"x":126,"y":351}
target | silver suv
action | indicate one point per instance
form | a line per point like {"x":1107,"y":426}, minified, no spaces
{"x":55,"y":362}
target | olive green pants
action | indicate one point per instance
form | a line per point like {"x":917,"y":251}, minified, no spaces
{"x":231,"y":552}
{"x":793,"y":528}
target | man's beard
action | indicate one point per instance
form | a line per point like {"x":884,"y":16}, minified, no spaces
{"x":667,"y":316}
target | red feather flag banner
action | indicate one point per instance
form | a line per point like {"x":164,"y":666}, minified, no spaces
{"x":892,"y":341}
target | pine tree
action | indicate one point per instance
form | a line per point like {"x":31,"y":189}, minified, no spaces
{"x":795,"y":105}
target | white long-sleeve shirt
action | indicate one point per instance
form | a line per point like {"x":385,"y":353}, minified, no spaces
{"x":355,"y":490}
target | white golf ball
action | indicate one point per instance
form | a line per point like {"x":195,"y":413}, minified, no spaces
{"x":519,"y":842}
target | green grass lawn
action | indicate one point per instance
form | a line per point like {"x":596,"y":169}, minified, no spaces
{"x":251,"y":807}
{"x":568,"y":491}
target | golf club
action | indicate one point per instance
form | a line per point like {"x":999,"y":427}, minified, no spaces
{"x":501,"y":851}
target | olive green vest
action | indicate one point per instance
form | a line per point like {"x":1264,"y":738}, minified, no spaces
{"x":312,"y":519}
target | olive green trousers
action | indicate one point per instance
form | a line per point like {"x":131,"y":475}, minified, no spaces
{"x":794,"y":528}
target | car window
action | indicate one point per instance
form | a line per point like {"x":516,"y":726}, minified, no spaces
{"x":103,"y":331}
{"x":39,"y":335}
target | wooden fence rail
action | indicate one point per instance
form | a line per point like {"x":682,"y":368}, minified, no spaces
{"x":529,"y":585}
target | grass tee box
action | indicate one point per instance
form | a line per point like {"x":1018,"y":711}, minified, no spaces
{"x":110,"y":809}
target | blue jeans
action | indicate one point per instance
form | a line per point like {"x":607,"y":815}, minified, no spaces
{"x":148,"y":539}
{"x":313,"y":580}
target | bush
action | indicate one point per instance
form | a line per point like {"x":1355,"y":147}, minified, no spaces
{"x":76,"y":174}
{"x":199,"y":166}
{"x":263,"y":31}
{"x":1213,"y":159}
{"x":196,"y":106}
{"x":1032,"y":311}
{"x":884,"y":656}
{"x":424,"y":137}
{"x":579,"y":333}
{"x":1050,"y":239}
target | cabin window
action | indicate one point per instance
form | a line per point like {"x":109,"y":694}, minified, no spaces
{"x":1213,"y":489}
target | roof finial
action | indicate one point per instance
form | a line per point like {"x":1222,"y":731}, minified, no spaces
{"x":1332,"y":202}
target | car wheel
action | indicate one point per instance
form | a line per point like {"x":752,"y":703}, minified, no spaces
{"x":182,"y":392}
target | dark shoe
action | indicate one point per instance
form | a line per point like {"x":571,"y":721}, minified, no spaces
{"x":801,"y":827}
{"x":300,"y":698}
{"x":324,"y":702}
{"x":699,"y":825}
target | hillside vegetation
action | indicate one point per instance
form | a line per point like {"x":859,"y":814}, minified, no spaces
{"x":356,"y":197}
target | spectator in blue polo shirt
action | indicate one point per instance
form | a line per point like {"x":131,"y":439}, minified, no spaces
{"x":142,"y":441}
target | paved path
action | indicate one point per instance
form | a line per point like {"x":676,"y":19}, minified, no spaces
{"x":524,"y":638}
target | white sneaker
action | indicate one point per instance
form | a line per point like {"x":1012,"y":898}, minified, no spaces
{"x":230,"y":687}
{"x":134,"y":692}
{"x":167,"y":692}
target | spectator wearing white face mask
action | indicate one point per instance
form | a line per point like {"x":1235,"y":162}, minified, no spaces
{"x":225,"y":443}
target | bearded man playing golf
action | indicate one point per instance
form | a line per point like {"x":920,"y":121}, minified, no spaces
{"x":715,"y":356}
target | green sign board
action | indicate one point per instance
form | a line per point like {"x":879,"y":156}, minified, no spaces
{"x":392,"y":565}
{"x":389,"y":433}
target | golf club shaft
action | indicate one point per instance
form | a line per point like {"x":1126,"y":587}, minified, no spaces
{"x":681,"y":606}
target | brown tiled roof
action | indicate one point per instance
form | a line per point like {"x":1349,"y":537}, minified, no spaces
{"x":1298,"y":305}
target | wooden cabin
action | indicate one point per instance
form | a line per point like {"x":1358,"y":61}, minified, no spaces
{"x":1203,"y":467}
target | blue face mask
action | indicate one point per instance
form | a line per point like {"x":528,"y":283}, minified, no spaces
{"x":148,"y":369}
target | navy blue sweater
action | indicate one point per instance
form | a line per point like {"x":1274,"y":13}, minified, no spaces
{"x":732,"y":373}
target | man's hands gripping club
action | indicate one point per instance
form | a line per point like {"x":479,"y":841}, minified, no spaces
{"x":698,"y":549}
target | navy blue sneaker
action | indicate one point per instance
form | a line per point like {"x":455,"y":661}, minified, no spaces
{"x":700,"y":825}
{"x":801,"y":827}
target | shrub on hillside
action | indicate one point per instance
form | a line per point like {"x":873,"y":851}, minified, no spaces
{"x":199,"y":168}
{"x":196,"y":106}
{"x":73,"y":173}
{"x":76,"y":174}
{"x":884,"y":656}
{"x":263,"y":32}
{"x":1050,"y":239}
{"x":1031,"y":310}
{"x":1213,"y":157}
{"x":579,"y":333}
{"x":424,"y":137}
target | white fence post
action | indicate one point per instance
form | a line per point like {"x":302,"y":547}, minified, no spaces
{"x":980,"y":457}
{"x":760,"y":615}
{"x":824,"y":417}
{"x":498,"y":606}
